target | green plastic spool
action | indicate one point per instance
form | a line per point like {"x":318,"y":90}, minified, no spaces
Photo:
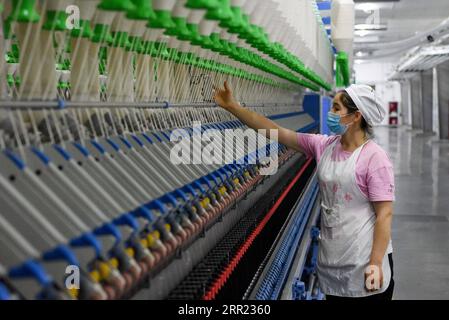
{"x":235,"y":22}
{"x":233,"y":53}
{"x":116,"y":5}
{"x":120,"y":39}
{"x":68,"y":47}
{"x":192,"y":59}
{"x":173,"y":55}
{"x":136,"y":44}
{"x":214,"y":66}
{"x":161,"y":50}
{"x":103,"y":53}
{"x":162,"y":20}
{"x":101,"y":34}
{"x":202,"y":4}
{"x":64,"y":64}
{"x":242,"y":55}
{"x":200,"y":63}
{"x":342,"y":75}
{"x":24,"y":11}
{"x":15,"y":52}
{"x":9,"y":57}
{"x":17,"y":81}
{"x":55,"y":20}
{"x":84,"y":31}
{"x":215,"y":38}
{"x":180,"y":29}
{"x":224,"y":46}
{"x":142,"y":10}
{"x":184,"y":32}
{"x":261,"y":39}
{"x":182,"y":58}
{"x":250,"y":33}
{"x":10,"y":79}
{"x":188,"y":58}
{"x":221,"y":68}
{"x":150,"y":48}
{"x":206,"y":43}
{"x":195,"y":37}
{"x":222,"y":12}
{"x":7,"y":28}
{"x":208,"y":65}
{"x":63,"y":85}
{"x":243,"y":30}
{"x":146,"y":47}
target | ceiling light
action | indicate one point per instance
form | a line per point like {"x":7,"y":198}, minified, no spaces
{"x":366,"y":7}
{"x":361,"y":33}
{"x":375,"y":27}
{"x":366,"y":39}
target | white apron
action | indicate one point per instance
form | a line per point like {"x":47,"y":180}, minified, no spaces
{"x":347,"y":229}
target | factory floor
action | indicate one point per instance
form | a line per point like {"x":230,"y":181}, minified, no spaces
{"x":421,"y":217}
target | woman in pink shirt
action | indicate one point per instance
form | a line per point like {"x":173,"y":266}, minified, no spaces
{"x":357,"y":193}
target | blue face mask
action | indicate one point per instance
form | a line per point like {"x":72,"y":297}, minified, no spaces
{"x":333,"y":122}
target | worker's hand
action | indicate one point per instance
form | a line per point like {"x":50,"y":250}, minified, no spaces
{"x":224,"y":97}
{"x":374,"y":277}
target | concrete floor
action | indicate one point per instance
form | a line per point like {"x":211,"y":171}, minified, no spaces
{"x":421,"y":217}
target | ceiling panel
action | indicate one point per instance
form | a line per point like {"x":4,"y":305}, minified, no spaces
{"x":403,"y":18}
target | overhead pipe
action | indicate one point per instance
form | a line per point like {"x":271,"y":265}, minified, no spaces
{"x":435,"y":33}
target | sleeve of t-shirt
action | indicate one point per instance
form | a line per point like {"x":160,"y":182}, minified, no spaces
{"x":380,"y":178}
{"x":313,"y":145}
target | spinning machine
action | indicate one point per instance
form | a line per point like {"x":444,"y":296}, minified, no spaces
{"x":93,"y":94}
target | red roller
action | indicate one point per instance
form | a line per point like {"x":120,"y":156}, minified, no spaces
{"x":221,"y":280}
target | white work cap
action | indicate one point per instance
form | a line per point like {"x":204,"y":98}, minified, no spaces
{"x":368,"y":104}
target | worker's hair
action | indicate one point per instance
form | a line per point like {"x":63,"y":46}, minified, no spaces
{"x":349,"y":103}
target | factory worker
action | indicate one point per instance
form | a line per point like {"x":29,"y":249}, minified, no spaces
{"x":357,"y":192}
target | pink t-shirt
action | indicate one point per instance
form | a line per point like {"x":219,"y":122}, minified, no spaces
{"x":374,"y":170}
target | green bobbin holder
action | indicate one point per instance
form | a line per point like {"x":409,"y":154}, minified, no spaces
{"x":162,"y":20}
{"x":202,"y":4}
{"x":55,"y":21}
{"x":101,"y":34}
{"x":84,"y":31}
{"x":116,"y":5}
{"x":24,"y":11}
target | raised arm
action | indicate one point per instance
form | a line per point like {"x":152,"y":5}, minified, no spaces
{"x":225,"y":99}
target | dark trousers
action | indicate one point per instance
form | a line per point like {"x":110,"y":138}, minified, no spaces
{"x":384,"y":296}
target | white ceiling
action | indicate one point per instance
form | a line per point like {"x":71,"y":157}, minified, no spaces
{"x":404,"y":18}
